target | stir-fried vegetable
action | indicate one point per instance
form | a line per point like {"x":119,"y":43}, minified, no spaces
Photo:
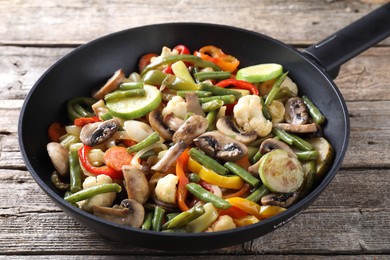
{"x":189,"y":145}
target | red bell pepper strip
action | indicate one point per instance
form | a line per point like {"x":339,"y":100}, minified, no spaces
{"x":55,"y":131}
{"x":182,"y":191}
{"x":233,"y":212}
{"x":83,"y":155}
{"x":82,"y":121}
{"x":217,"y":56}
{"x":241,"y":84}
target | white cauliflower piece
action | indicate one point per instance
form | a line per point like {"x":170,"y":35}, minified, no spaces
{"x":177,"y":105}
{"x":166,"y":188}
{"x":103,"y":200}
{"x":248,"y":115}
{"x":223,"y":222}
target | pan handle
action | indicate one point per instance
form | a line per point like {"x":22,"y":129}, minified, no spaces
{"x":348,"y":42}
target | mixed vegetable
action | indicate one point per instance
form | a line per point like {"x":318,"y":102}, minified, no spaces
{"x":190,"y":143}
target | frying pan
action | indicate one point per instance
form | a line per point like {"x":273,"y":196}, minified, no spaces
{"x":90,"y":65}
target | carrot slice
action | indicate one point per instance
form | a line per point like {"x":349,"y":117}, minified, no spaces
{"x":117,"y":156}
{"x":55,"y":131}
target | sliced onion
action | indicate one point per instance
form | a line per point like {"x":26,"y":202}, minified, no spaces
{"x":135,"y":159}
{"x":137,"y":130}
{"x":119,"y":135}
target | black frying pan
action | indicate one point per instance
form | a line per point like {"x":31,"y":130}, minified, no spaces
{"x":92,"y":64}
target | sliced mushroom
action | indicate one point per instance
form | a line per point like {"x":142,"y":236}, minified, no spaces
{"x":172,"y":121}
{"x":284,"y":200}
{"x":254,"y":169}
{"x":130,"y":213}
{"x":271,"y":144}
{"x":156,"y":122}
{"x":170,"y":157}
{"x":296,"y":112}
{"x":221,"y":146}
{"x":136,"y":184}
{"x":96,"y":133}
{"x":306,"y":128}
{"x":193,"y":104}
{"x":59,"y":156}
{"x":193,"y":127}
{"x":228,"y":126}
{"x":111,"y":85}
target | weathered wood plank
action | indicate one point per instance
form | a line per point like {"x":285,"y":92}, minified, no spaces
{"x":86,"y":20}
{"x":352,"y":215}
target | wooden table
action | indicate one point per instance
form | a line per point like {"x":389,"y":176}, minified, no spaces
{"x":351,"y":219}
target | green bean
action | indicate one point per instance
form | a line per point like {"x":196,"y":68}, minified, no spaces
{"x":170,"y":216}
{"x":283,"y":135}
{"x":154,"y":77}
{"x":196,"y":61}
{"x":57,"y":182}
{"x":207,"y":161}
{"x":147,"y":154}
{"x":315,"y":113}
{"x":206,"y":196}
{"x":131,"y":85}
{"x":218,"y":91}
{"x":118,"y":94}
{"x":258,"y":194}
{"x":256,"y":157}
{"x":211,"y":116}
{"x":79,"y":107}
{"x":307,"y":155}
{"x":301,"y":144}
{"x":292,"y":139}
{"x":193,"y":177}
{"x":212,"y":105}
{"x":74,"y":171}
{"x":147,"y":222}
{"x":275,"y":89}
{"x":264,"y":109}
{"x":158,"y":216}
{"x":148,"y":141}
{"x":204,"y":75}
{"x":227,"y":99}
{"x":90,"y":192}
{"x":199,"y":93}
{"x":239,"y":171}
{"x":184,"y":217}
{"x":69,"y":140}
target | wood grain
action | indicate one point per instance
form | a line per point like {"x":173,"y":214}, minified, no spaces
{"x":76,"y":22}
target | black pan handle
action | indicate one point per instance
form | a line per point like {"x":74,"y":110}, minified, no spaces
{"x":348,"y":42}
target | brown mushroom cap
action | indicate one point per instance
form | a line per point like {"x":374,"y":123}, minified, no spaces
{"x":296,"y":112}
{"x":284,"y":200}
{"x":156,"y":122}
{"x":136,"y":184}
{"x":130,"y":213}
{"x":111,"y":85}
{"x":96,"y":133}
{"x":271,"y":144}
{"x":228,"y":126}
{"x":221,"y":146}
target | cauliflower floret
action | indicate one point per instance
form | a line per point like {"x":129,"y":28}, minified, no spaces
{"x":177,"y":105}
{"x":224,"y":222}
{"x":248,"y":115}
{"x":103,"y":200}
{"x":166,"y":188}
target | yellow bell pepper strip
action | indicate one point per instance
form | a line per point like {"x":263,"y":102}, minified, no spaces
{"x":247,"y":206}
{"x":217,"y":56}
{"x":83,"y":156}
{"x":182,"y":193}
{"x":267,"y":211}
{"x":230,"y":182}
{"x":245,"y":221}
{"x":241,"y":84}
